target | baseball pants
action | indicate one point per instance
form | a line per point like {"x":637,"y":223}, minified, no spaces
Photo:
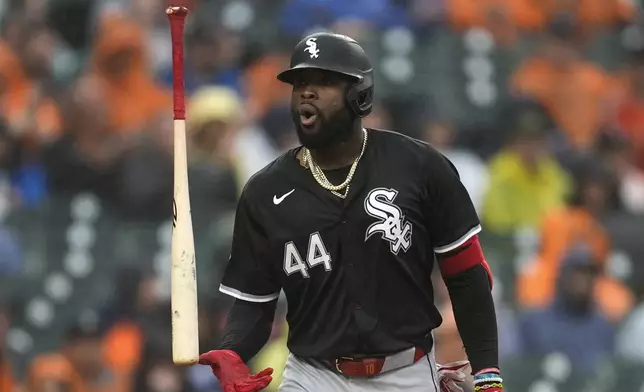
{"x":301,"y":376}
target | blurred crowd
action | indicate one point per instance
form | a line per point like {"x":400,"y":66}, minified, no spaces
{"x":538,"y":103}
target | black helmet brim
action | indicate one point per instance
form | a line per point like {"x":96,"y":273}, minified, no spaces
{"x":289,"y":75}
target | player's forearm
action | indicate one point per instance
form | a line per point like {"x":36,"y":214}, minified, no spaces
{"x":473,"y":307}
{"x":248,"y":328}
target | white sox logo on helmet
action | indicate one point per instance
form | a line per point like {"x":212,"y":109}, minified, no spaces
{"x":312,"y":47}
{"x":391,"y":222}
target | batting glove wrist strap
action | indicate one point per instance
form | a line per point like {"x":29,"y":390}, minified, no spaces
{"x":488,"y":380}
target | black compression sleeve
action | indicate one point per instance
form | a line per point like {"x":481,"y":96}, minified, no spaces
{"x":475,"y":317}
{"x":248,"y":328}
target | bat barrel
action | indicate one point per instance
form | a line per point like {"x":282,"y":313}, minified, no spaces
{"x":185,"y":319}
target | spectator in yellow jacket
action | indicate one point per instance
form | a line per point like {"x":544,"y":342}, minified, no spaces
{"x":525,"y":182}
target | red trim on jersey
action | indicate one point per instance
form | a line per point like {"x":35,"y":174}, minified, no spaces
{"x":466,"y":256}
{"x":462,"y":258}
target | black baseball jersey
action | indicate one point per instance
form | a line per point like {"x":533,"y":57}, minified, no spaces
{"x":355,"y":271}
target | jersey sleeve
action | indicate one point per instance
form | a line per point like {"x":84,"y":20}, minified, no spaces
{"x":449,"y":211}
{"x":248,"y":275}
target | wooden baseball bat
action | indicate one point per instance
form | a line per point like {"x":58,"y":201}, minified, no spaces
{"x":185,"y":327}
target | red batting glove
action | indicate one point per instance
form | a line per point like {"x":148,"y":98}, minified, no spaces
{"x":451,"y":374}
{"x":233,"y":374}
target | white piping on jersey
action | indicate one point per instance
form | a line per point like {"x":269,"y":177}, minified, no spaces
{"x":247,"y":297}
{"x":447,"y":248}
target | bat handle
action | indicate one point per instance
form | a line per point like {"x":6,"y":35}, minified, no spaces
{"x":177,"y":17}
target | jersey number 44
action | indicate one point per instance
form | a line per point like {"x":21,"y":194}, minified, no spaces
{"x":316,"y":254}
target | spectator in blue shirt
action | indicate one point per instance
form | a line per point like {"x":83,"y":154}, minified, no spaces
{"x":572,"y":325}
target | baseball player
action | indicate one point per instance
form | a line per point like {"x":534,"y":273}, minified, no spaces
{"x":349,"y":225}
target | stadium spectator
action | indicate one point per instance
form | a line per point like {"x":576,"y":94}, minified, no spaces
{"x":31,"y":114}
{"x":78,"y":366}
{"x":525,"y":182}
{"x":121,"y":69}
{"x":572,"y":89}
{"x":86,"y":157}
{"x":33,"y":121}
{"x":219,"y":138}
{"x":36,"y":47}
{"x":576,"y":225}
{"x":572,"y":324}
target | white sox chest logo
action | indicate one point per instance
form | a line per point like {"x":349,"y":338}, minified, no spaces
{"x":312,"y":47}
{"x":392,"y":224}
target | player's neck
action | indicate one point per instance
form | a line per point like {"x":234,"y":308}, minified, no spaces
{"x":341,"y":154}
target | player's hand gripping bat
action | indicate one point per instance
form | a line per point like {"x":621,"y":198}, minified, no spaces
{"x":185,"y":331}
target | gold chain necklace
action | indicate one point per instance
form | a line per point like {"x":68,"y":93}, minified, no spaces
{"x":320,"y":178}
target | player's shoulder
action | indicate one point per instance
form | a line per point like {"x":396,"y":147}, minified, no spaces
{"x":264,"y":181}
{"x":407,"y":147}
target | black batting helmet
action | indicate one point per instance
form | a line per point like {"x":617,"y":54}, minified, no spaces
{"x":335,"y":53}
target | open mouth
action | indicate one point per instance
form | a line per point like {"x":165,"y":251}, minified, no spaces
{"x":308,"y":115}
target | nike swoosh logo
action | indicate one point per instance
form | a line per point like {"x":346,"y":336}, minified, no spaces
{"x":278,"y":200}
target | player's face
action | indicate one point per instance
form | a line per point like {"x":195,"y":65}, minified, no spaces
{"x":319,"y":109}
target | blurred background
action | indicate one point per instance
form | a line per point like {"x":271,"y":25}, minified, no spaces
{"x":539,"y":104}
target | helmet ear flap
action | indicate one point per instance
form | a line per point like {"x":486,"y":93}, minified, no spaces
{"x":360,"y":100}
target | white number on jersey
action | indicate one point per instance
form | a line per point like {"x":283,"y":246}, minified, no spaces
{"x":293,"y":261}
{"x":316,"y":254}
